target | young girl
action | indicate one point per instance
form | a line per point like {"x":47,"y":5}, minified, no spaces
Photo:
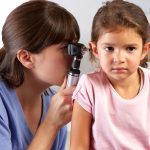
{"x":112,"y":107}
{"x":33,"y":58}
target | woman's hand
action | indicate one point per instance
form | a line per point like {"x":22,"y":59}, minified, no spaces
{"x":61,"y":106}
{"x":59,"y":114}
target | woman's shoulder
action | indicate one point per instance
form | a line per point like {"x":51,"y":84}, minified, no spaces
{"x":7,"y":94}
{"x":4,"y":94}
{"x":5,"y":90}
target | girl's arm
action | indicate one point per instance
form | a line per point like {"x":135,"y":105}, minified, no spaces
{"x":80,"y":128}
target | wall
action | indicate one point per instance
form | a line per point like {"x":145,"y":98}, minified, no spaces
{"x":83,"y":10}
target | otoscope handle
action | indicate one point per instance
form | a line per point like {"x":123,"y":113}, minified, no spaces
{"x":73,"y":77}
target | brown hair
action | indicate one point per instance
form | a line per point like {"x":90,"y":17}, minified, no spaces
{"x":33,"y":26}
{"x":147,"y":58}
{"x":119,"y":13}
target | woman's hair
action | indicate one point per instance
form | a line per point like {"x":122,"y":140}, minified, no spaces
{"x":33,"y":26}
{"x":115,"y":14}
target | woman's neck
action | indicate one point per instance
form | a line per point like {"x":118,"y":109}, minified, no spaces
{"x":31,"y":101}
{"x":29,"y":94}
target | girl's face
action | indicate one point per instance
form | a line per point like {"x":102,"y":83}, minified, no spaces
{"x":52,"y":64}
{"x":119,"y":53}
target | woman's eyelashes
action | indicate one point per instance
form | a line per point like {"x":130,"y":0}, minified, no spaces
{"x":64,"y":48}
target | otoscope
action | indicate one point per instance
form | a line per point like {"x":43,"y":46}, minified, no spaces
{"x":76,"y":50}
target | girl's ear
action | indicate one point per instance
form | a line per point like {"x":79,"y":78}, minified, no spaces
{"x":25,"y":58}
{"x":146,"y":49}
{"x":93,"y":49}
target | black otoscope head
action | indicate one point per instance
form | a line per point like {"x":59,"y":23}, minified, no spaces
{"x":76,"y":50}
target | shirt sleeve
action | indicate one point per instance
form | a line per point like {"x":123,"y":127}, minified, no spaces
{"x":83,"y":93}
{"x":5,"y":136}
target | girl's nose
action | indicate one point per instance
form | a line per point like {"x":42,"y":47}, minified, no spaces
{"x":118,"y":57}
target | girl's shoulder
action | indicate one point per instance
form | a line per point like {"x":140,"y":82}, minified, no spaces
{"x":146,"y":72}
{"x":146,"y":78}
{"x":95,"y":77}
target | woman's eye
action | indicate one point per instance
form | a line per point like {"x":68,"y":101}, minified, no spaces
{"x":130,"y":49}
{"x":110,"y":49}
{"x":64,"y":49}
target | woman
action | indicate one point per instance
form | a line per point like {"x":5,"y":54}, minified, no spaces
{"x":33,"y":58}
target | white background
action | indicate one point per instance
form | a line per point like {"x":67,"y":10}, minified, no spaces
{"x":83,"y":10}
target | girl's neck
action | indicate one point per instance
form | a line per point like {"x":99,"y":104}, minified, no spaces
{"x":130,"y":87}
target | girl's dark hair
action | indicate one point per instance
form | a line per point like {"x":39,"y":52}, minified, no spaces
{"x":119,"y":13}
{"x":33,"y":26}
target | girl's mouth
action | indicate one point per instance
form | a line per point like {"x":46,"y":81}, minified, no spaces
{"x":119,"y":69}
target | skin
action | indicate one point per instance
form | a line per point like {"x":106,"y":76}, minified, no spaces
{"x":42,"y":70}
{"x":119,"y":54}
{"x":115,"y":51}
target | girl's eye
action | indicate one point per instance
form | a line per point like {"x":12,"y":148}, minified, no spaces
{"x":109,"y":49}
{"x":130,"y":49}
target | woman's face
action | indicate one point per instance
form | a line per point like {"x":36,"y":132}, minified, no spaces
{"x":52,"y":64}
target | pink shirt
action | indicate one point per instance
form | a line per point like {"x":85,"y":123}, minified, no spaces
{"x":118,"y":124}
